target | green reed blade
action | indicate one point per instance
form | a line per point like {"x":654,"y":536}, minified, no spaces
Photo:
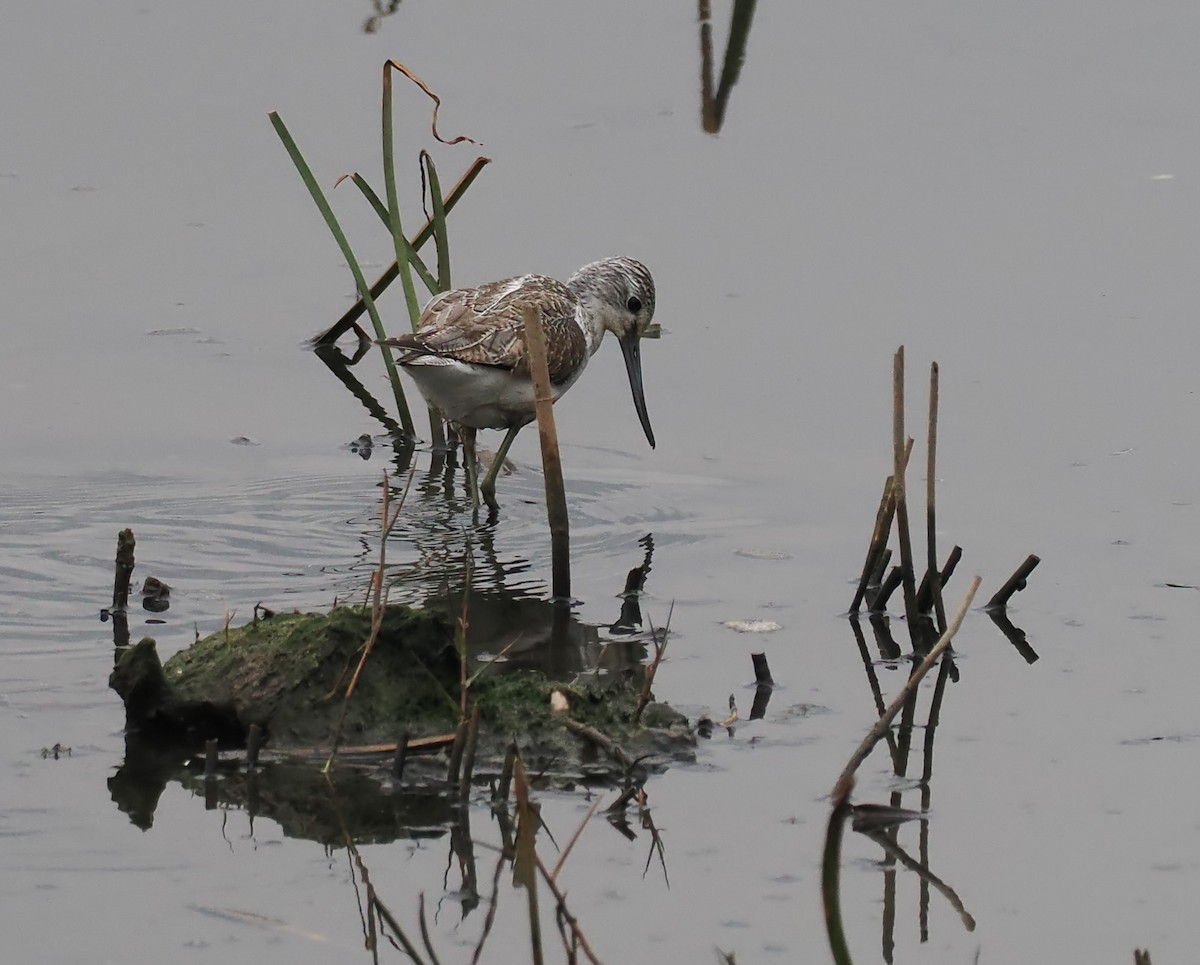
{"x":393,"y":202}
{"x":364,"y":290}
{"x":440,"y":236}
{"x":381,"y":209}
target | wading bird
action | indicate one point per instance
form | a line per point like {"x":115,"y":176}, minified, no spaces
{"x":468,"y":355}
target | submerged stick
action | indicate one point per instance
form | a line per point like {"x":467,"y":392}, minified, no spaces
{"x":1015,"y":582}
{"x":556,"y":497}
{"x":885,"y":722}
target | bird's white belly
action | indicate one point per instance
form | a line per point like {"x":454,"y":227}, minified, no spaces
{"x":479,"y":396}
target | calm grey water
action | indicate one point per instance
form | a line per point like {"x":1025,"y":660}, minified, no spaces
{"x":1008,"y":190}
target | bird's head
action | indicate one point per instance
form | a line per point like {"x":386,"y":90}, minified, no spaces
{"x":619,"y":295}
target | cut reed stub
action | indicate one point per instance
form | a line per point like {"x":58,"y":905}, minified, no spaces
{"x":1015,"y":583}
{"x":762,"y":672}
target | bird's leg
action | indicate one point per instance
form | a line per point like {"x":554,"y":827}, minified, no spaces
{"x":467,"y":435}
{"x":489,"y":482}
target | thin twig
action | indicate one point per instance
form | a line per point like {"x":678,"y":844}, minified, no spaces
{"x":576,"y":932}
{"x":660,"y":650}
{"x":562,"y":858}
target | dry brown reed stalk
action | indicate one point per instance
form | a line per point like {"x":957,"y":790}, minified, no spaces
{"x":879,"y":535}
{"x":884,"y":723}
{"x":900,"y":489}
{"x":660,"y":649}
{"x":378,"y":604}
{"x":556,"y":497}
{"x":933,"y":574}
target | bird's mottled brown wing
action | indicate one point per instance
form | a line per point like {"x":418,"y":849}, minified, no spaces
{"x":486,"y":326}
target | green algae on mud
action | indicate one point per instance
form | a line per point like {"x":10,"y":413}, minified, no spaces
{"x":287,"y":673}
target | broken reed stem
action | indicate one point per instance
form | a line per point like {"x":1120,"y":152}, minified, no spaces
{"x":1015,"y":582}
{"x":900,"y":489}
{"x":762,"y":672}
{"x":885,"y":722}
{"x":934,"y":575}
{"x":879,"y":536}
{"x":886,"y":589}
{"x":831,"y":861}
{"x":925,"y":593}
{"x":556,"y":498}
{"x":124,"y":572}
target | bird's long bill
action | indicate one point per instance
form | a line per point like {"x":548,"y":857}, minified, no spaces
{"x":631,"y":348}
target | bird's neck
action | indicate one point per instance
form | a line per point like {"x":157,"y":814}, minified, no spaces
{"x":591,"y":319}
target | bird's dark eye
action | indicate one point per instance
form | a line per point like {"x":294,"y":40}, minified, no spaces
{"x":634,"y":304}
